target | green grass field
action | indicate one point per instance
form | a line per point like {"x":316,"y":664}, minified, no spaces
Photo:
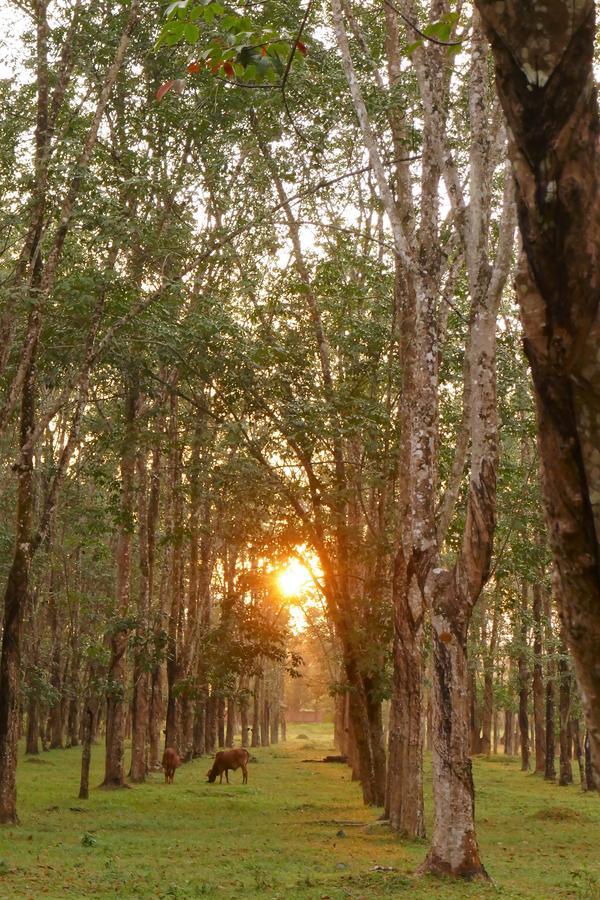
{"x":297,"y":830}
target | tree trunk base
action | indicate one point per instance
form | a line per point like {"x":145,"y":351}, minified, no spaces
{"x":471,"y":869}
{"x":114,"y":785}
{"x":9,"y":819}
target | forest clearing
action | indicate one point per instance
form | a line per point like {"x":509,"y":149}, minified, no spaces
{"x":299,"y":431}
{"x":296,"y":830}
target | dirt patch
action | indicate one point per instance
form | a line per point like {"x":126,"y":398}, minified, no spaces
{"x":558,"y":814}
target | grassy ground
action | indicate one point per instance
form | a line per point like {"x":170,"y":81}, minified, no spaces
{"x":280,"y":836}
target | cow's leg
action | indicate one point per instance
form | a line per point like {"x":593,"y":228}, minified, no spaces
{"x":245,"y":774}
{"x":227,"y":775}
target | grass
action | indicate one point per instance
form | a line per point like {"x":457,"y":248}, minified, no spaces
{"x":297,"y":830}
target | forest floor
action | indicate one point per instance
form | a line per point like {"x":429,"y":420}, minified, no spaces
{"x":297,"y":830}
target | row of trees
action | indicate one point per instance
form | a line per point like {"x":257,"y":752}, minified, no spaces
{"x":221,"y":343}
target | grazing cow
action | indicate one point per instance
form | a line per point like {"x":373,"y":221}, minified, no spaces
{"x":170,"y":762}
{"x":229,"y":759}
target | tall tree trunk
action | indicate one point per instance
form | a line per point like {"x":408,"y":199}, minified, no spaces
{"x":89,"y":718}
{"x":538,"y":683}
{"x":230,"y":730}
{"x":575,"y":731}
{"x":244,"y":721}
{"x":488,"y":681}
{"x":590,"y":778}
{"x":524,"y":678}
{"x":140,"y":710}
{"x":544,"y":56}
{"x":15,"y":602}
{"x":221,"y":720}
{"x":33,"y":725}
{"x":114,"y":776}
{"x":175,"y":584}
{"x":508,"y":731}
{"x":256,"y":713}
{"x":200,"y":726}
{"x":211,"y":723}
{"x":566,"y":741}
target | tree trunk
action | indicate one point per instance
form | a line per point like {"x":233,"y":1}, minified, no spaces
{"x":508,"y":731}
{"x":211,"y":724}
{"x":523,"y":683}
{"x":256,"y":713}
{"x":230,"y":727}
{"x":590,"y":778}
{"x":33,"y":726}
{"x":474,"y":714}
{"x":200,"y":727}
{"x":244,"y":722}
{"x":575,"y":731}
{"x":454,"y":849}
{"x":89,"y":713}
{"x":538,"y":683}
{"x":545,"y":77}
{"x":488,"y":679}
{"x":139,"y":723}
{"x":156,"y":714}
{"x":221,"y":720}
{"x":15,"y":602}
{"x":566,"y":740}
{"x":114,"y":776}
{"x":404,"y":793}
{"x":140,"y":707}
{"x":265,"y":721}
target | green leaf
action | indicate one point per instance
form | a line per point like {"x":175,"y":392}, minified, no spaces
{"x":191,"y":32}
{"x":410,"y":49}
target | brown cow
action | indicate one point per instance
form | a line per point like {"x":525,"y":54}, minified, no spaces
{"x":229,"y":759}
{"x":170,"y":762}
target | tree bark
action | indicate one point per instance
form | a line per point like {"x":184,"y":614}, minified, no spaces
{"x":404,"y":790}
{"x":544,"y":56}
{"x":140,"y":707}
{"x":538,"y":683}
{"x":256,"y":713}
{"x":523,"y":683}
{"x":114,"y":776}
{"x":566,"y":740}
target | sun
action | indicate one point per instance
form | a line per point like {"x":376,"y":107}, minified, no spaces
{"x":294,"y":579}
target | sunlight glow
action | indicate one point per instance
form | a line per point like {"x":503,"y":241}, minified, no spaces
{"x":294,"y":580}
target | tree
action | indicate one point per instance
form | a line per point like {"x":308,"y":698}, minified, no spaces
{"x":545,"y":79}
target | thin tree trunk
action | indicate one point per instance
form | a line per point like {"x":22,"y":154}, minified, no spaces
{"x":523,"y":683}
{"x":140,"y":711}
{"x":575,"y":731}
{"x":566,"y":740}
{"x":33,"y":726}
{"x":538,"y":683}
{"x":590,"y":778}
{"x":116,"y":707}
{"x":244,"y":721}
{"x":256,"y":713}
{"x":89,"y":714}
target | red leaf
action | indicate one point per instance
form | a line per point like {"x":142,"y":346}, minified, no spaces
{"x":228,"y":69}
{"x":215,"y":69}
{"x":164,"y":89}
{"x":193,"y":68}
{"x":302,"y":48}
{"x":263,"y":51}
